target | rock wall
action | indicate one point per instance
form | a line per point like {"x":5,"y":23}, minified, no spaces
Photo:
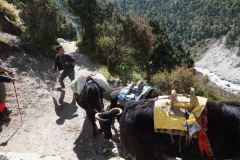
{"x":7,"y":25}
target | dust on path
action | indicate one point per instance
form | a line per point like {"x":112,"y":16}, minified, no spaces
{"x":53,"y":124}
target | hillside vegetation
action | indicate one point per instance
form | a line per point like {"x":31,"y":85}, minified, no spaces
{"x":131,"y":46}
{"x":9,"y":9}
{"x":189,"y":21}
{"x":42,"y":22}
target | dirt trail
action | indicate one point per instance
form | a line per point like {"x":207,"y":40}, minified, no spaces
{"x":53,"y":124}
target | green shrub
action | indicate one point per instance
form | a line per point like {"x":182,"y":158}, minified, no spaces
{"x":180,"y":79}
{"x":208,"y":91}
{"x":123,"y":70}
{"x":238,"y":41}
{"x":45,"y":23}
{"x":124,"y":76}
{"x":2,"y":39}
{"x":79,"y":41}
{"x":9,"y":9}
{"x":104,"y":48}
{"x":106,"y":74}
{"x":137,"y":77}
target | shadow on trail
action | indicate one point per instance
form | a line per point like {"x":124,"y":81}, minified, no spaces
{"x":32,"y":65}
{"x":63,"y":109}
{"x":86,"y":145}
{"x":3,"y":125}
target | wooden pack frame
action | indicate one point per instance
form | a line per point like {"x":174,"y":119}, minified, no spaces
{"x":182,"y":111}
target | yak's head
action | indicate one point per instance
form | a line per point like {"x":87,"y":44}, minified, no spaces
{"x":105,"y":119}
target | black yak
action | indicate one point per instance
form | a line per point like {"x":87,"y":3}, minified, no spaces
{"x":91,"y":102}
{"x":139,"y":139}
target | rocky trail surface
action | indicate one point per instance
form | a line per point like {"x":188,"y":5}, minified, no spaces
{"x":53,"y":126}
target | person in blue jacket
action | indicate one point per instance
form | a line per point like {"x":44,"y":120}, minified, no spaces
{"x":4,"y":112}
{"x":64,"y":62}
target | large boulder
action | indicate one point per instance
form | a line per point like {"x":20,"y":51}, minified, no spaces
{"x":7,"y":25}
{"x":10,"y":42}
{"x":4,"y":46}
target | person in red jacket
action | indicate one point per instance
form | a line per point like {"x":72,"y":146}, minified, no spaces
{"x":64,"y":62}
{"x":4,"y":112}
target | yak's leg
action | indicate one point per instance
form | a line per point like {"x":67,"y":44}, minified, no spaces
{"x":92,"y":120}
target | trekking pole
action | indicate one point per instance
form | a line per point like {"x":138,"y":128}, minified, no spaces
{"x":5,"y":143}
{"x":17,"y":101}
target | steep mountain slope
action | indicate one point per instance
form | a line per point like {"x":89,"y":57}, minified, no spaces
{"x":224,"y":61}
{"x":191,"y":21}
{"x":70,"y":18}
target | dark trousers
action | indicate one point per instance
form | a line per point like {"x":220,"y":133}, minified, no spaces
{"x":3,"y":112}
{"x":64,"y":75}
{"x":2,"y":92}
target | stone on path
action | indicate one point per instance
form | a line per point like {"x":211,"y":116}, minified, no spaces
{"x":26,"y":156}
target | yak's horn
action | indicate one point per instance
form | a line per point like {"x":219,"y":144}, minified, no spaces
{"x":98,"y":115}
{"x":118,"y":110}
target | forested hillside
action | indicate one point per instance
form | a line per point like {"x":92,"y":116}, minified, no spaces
{"x":131,"y":46}
{"x":41,"y":21}
{"x":190,"y":21}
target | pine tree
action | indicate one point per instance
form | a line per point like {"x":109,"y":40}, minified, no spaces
{"x":91,"y":13}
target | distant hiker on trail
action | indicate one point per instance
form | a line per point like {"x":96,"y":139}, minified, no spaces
{"x":64,"y":62}
{"x":4,"y":112}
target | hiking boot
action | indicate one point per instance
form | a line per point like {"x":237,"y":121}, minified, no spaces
{"x":5,"y":118}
